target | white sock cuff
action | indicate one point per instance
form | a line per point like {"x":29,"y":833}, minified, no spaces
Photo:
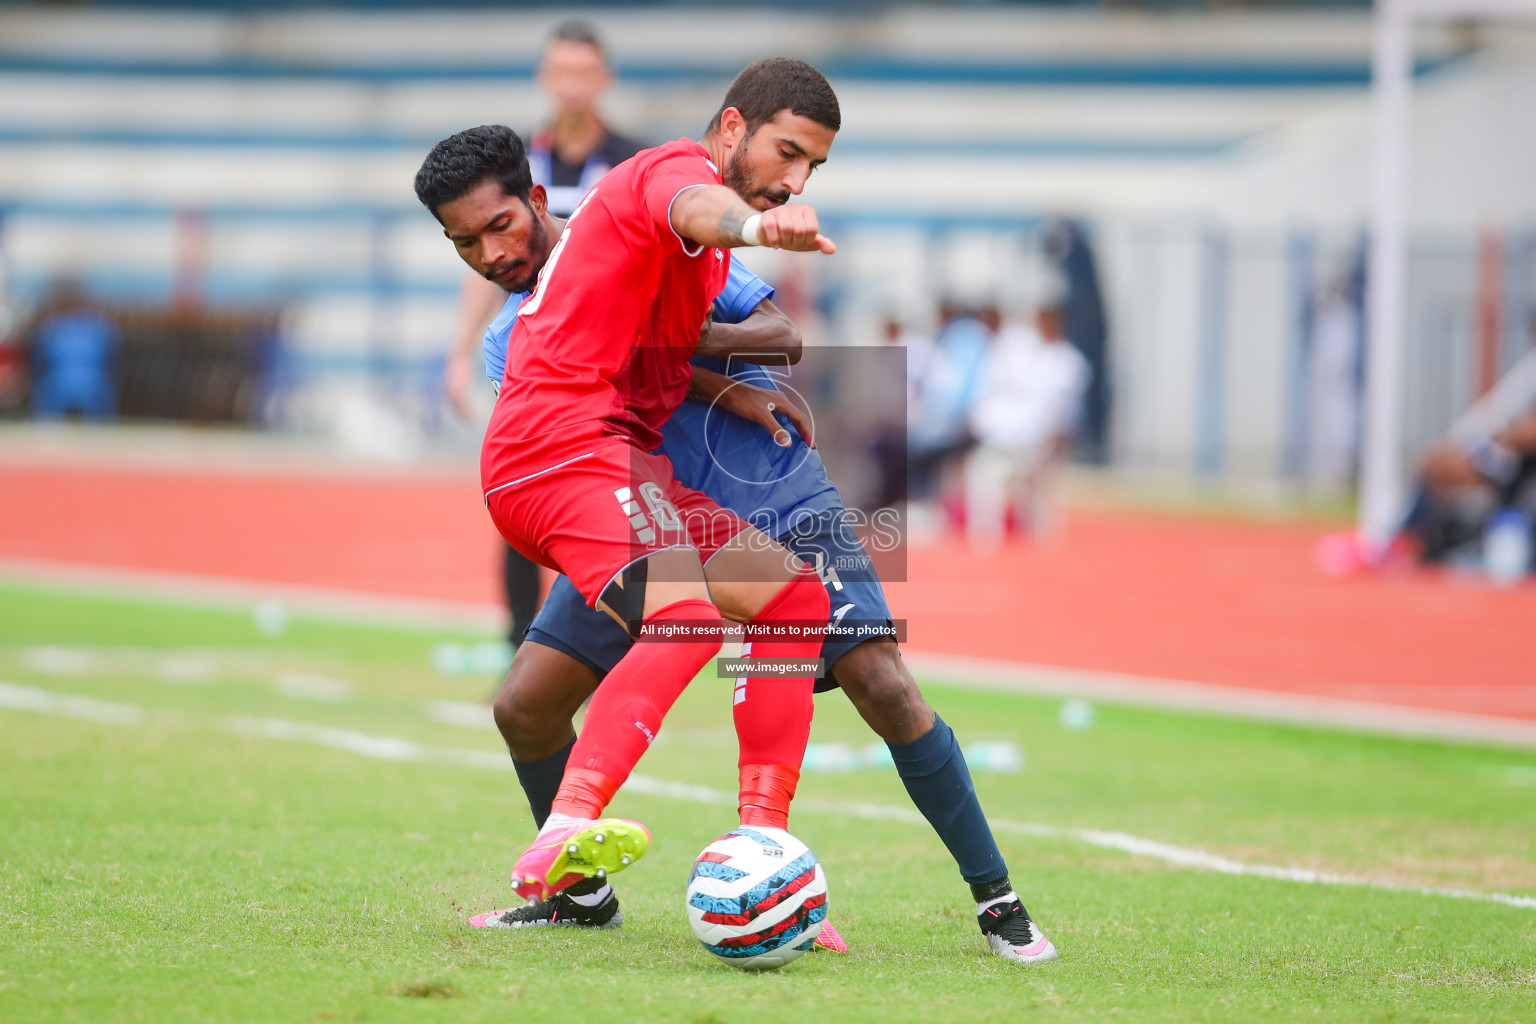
{"x":558,"y":820}
{"x":981,"y":908}
{"x":591,"y":899}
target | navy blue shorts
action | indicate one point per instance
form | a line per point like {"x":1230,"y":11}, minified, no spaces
{"x":826,"y":541}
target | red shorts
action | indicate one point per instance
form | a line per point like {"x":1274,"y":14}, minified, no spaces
{"x":591,"y":516}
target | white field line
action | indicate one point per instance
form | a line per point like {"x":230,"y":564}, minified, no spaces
{"x":380,"y":748}
{"x":25,"y":698}
{"x":303,"y":686}
{"x":1124,"y":842}
{"x":1208,"y":698}
{"x":389,"y":748}
{"x":189,"y":666}
{"x":462,"y":713}
{"x":189,"y":590}
{"x":1047,"y":680}
{"x":393,"y":748}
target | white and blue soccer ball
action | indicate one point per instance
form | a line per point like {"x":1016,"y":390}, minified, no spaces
{"x":757,"y":898}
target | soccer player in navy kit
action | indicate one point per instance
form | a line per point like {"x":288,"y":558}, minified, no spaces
{"x":736,"y":461}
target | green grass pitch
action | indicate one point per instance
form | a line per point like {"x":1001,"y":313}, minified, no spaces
{"x":178,"y":870}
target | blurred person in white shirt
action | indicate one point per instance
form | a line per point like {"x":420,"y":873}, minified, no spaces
{"x":1027,"y":403}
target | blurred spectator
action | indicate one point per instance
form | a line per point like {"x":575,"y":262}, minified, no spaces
{"x":919,"y":353}
{"x":574,"y":151}
{"x":1083,"y":320}
{"x":889,"y":445}
{"x":12,"y":381}
{"x":1334,"y":382}
{"x":1027,"y":403}
{"x":937,"y":429}
{"x":567,"y":156}
{"x":1462,"y":484}
{"x":74,"y":358}
{"x":12,"y":355}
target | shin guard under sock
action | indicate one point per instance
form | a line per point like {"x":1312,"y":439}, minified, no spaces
{"x":627,"y":709}
{"x":933,"y":770}
{"x":764,"y":793}
{"x":773,"y":712}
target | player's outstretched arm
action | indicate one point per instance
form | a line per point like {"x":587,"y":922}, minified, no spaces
{"x":715,"y":215}
{"x":479,"y":302}
{"x":767,"y":335}
{"x":751,"y":403}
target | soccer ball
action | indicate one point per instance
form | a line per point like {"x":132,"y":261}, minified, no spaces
{"x":757,"y":898}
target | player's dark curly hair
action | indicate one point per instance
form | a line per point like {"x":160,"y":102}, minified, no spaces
{"x":773,"y":84}
{"x":457,"y":165}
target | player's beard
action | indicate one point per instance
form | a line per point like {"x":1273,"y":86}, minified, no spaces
{"x":738,"y":178}
{"x":538,"y":255}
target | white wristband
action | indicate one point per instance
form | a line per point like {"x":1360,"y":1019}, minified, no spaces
{"x":751,"y":230}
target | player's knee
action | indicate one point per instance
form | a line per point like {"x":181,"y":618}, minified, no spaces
{"x":525,"y":723}
{"x":881,"y":685}
{"x":884,"y":692}
{"x":508,"y":713}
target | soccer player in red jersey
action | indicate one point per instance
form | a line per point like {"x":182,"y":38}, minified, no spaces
{"x":598,"y":360}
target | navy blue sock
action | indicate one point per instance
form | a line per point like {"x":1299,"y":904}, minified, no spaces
{"x":934,"y":772}
{"x":541,"y":780}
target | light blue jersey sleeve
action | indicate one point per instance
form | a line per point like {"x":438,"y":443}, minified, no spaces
{"x":742,"y":292}
{"x":496,"y":336}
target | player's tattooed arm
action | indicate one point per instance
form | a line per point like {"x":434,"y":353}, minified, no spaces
{"x":715,"y":215}
{"x":767,"y":335}
{"x":711,"y":215}
{"x":733,"y":223}
{"x":751,"y":403}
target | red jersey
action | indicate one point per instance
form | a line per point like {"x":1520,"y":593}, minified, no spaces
{"x":600,"y":350}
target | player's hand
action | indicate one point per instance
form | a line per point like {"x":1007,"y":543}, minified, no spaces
{"x":794,"y":227}
{"x":457,"y":378}
{"x":759,"y":405}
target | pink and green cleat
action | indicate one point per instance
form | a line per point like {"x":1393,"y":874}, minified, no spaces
{"x":563,"y":856}
{"x":829,"y":940}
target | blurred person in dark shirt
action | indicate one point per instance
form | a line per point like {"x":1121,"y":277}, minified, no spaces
{"x":1084,"y":321}
{"x":1462,"y":481}
{"x":567,"y":156}
{"x":573,"y":152}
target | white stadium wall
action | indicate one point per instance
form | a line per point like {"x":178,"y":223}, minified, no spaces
{"x":1200,"y":191}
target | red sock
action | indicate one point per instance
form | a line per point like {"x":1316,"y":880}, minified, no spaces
{"x":764,"y":793}
{"x":773,"y":713}
{"x":627,"y":709}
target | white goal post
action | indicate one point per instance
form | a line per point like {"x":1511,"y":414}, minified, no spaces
{"x":1381,"y":483}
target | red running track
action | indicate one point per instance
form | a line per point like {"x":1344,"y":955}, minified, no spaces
{"x":1177,"y":597}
